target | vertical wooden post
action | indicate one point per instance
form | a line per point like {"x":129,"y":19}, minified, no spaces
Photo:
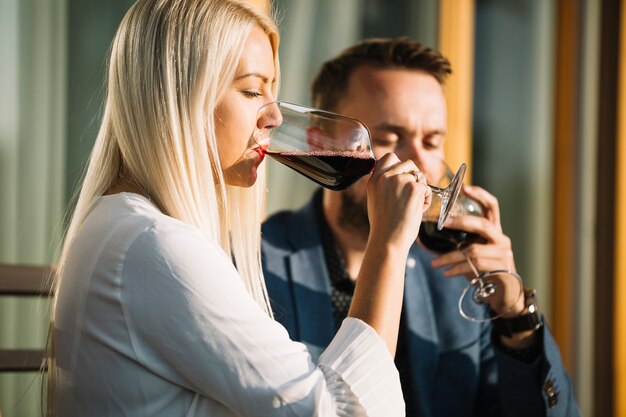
{"x":604,"y":277}
{"x":619,"y":297}
{"x":456,"y":42}
{"x":564,"y":183}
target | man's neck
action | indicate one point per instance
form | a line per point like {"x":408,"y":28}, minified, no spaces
{"x":350,"y":243}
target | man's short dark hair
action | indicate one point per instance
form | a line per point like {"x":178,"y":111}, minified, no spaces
{"x":331,"y":82}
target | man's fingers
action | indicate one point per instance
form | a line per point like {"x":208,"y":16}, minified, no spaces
{"x":487,"y":200}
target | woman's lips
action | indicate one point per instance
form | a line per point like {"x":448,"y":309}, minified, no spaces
{"x":261,"y":150}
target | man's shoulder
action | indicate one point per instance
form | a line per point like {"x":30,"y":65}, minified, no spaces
{"x":277,"y":221}
{"x":275,"y":230}
{"x":291,"y":229}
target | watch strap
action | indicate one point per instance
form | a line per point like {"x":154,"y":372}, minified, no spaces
{"x":531,"y":320}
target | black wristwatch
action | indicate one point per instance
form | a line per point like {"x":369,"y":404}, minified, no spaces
{"x":531,"y":320}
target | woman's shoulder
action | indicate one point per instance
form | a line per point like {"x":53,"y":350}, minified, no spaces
{"x":152,"y":235}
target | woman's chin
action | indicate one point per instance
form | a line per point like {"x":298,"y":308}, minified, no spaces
{"x":242,"y":174}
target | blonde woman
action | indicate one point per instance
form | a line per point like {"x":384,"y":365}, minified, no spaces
{"x":151,"y":316}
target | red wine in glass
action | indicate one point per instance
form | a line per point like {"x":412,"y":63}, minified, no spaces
{"x":331,"y":169}
{"x":445,"y":240}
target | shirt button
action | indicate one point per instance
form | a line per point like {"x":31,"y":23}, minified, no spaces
{"x":550,"y":391}
{"x":410,"y":263}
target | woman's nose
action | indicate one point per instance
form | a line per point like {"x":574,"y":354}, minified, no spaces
{"x":269,"y":116}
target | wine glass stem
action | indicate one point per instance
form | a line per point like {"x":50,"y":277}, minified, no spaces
{"x":442,"y":193}
{"x":437,"y":190}
{"x":482,"y":292}
{"x":474,"y":270}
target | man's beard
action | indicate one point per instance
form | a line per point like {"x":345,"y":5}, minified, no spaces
{"x":353,"y":215}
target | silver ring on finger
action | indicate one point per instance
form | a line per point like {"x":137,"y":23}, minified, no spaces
{"x":416,"y":173}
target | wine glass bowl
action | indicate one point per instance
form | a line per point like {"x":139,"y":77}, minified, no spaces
{"x":333,"y":150}
{"x":330,"y":149}
{"x":443,"y":240}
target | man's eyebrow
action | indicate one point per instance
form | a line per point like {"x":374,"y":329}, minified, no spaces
{"x":388,"y":126}
{"x":256,"y":75}
{"x":399,"y":128}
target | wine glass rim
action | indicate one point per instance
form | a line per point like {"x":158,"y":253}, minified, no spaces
{"x":319,"y":112}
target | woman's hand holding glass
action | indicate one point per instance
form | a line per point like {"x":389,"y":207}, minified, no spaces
{"x":397,"y":195}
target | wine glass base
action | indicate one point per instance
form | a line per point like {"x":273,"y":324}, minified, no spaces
{"x":484,"y":291}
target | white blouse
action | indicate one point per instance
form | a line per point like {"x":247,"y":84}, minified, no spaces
{"x":153,"y":320}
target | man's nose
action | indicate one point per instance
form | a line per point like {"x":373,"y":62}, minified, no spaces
{"x":412,"y":150}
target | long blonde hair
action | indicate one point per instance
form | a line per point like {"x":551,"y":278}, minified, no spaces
{"x":170,"y":63}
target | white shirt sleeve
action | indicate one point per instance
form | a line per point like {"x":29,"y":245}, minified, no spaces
{"x":191,"y":321}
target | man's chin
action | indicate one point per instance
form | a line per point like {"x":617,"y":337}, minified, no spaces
{"x":353,"y":215}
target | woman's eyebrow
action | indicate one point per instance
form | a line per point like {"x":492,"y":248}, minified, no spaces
{"x":254,"y":74}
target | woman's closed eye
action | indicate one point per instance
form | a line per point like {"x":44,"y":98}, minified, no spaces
{"x":251,"y":93}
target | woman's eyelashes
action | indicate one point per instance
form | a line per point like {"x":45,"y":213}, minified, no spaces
{"x":251,"y":93}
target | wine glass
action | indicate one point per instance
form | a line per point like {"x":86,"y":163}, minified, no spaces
{"x":484,"y":289}
{"x":442,"y":240}
{"x":333,"y":150}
